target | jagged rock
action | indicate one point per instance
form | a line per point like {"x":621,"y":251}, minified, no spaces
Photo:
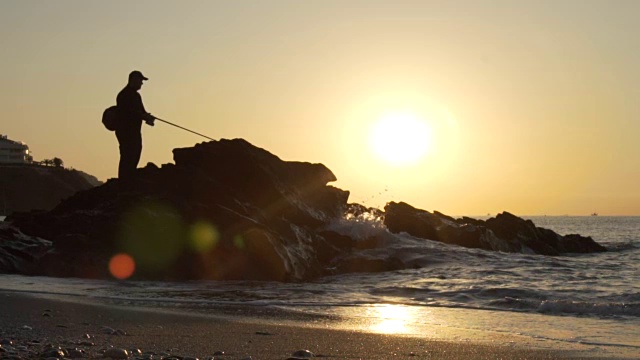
{"x":225,"y":210}
{"x":516,"y":230}
{"x":402,"y":217}
{"x":19,"y":252}
{"x":575,"y":243}
{"x":506,"y":232}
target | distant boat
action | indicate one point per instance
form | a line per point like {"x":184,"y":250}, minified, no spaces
{"x":594,"y":214}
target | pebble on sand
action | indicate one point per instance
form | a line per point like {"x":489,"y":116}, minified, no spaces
{"x":116,"y":353}
{"x":303,"y":354}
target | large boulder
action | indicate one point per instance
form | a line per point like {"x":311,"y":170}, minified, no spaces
{"x":515,"y":230}
{"x":402,"y":217}
{"x":505,"y":232}
{"x":225,"y":210}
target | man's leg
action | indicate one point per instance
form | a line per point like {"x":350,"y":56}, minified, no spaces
{"x":130,"y":150}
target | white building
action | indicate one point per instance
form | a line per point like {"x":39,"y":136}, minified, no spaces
{"x":14,"y":152}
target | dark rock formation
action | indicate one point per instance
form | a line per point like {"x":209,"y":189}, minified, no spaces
{"x":225,"y":210}
{"x":19,"y":253}
{"x":229,"y":210}
{"x":506,"y":232}
{"x":35,"y":187}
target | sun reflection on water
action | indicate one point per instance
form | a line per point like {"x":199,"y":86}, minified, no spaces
{"x":391,"y":319}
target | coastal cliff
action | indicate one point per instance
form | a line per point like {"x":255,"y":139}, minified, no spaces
{"x":36,"y":187}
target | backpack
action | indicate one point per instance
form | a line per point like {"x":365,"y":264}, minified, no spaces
{"x":111,"y":118}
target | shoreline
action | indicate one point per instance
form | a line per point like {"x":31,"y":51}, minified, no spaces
{"x":64,"y":322}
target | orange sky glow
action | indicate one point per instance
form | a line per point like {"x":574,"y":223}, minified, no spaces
{"x":527,"y":107}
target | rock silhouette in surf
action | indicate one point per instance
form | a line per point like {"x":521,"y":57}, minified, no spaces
{"x":505,"y":232}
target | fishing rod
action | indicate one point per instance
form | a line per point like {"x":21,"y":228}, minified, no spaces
{"x":183,"y":128}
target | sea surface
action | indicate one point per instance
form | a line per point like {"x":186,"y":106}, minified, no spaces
{"x":588,"y":303}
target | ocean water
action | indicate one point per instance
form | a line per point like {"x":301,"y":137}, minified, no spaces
{"x":588,"y":303}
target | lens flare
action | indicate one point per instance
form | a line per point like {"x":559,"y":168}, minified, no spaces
{"x":203,"y":237}
{"x":122,"y":266}
{"x":154,"y":234}
{"x":238,"y":242}
{"x":260,"y":248}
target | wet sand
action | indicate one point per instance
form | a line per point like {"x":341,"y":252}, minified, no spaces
{"x":33,"y":322}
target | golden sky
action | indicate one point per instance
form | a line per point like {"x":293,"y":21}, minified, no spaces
{"x":530,"y":107}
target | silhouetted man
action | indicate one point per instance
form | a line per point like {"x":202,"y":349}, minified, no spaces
{"x":129,"y":134}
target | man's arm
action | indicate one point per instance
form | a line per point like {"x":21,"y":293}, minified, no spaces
{"x":146,"y":116}
{"x":130,"y":103}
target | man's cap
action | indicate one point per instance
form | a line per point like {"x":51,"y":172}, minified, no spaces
{"x":135,"y":74}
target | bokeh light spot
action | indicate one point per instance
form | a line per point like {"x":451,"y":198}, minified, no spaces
{"x":203,"y":237}
{"x":238,"y":242}
{"x":154,"y":234}
{"x":122,"y":266}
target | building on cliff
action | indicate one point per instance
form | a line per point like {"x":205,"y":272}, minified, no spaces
{"x":14,"y":152}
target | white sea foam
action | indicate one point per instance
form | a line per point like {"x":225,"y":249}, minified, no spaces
{"x":589,"y":308}
{"x":360,"y":227}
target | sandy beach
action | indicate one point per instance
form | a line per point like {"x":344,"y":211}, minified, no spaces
{"x":33,"y":323}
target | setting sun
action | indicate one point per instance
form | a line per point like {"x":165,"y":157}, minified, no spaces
{"x":400,"y":138}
